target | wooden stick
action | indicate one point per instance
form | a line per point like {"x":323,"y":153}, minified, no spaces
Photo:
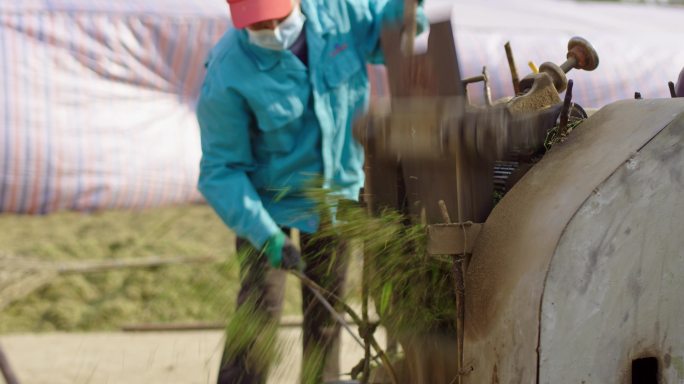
{"x":410,"y":26}
{"x":108,"y":265}
{"x":445,"y":212}
{"x":459,"y":276}
{"x":285,"y":322}
{"x":7,"y":372}
{"x":513,"y":68}
{"x":365,"y":276}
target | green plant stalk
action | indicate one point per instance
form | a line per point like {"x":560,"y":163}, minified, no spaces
{"x":355,"y":317}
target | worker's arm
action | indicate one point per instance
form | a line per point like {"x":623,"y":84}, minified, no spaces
{"x":369,"y":17}
{"x":224,"y":120}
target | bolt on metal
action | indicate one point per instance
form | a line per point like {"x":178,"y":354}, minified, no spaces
{"x":581,"y":55}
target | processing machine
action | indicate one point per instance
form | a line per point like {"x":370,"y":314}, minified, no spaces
{"x":565,"y":229}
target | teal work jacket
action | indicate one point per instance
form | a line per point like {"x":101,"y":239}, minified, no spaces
{"x":271,"y":127}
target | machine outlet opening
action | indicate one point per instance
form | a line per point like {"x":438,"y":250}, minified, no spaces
{"x":645,"y":371}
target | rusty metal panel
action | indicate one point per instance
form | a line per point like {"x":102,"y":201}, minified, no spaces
{"x":511,"y":258}
{"x":452,"y":239}
{"x":433,"y":74}
{"x":384,"y":186}
{"x":614,"y":289}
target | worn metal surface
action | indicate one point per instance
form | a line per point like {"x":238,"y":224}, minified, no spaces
{"x":408,"y":184}
{"x":413,"y":185}
{"x":540,"y":92}
{"x":581,"y":55}
{"x":614,"y":288}
{"x":413,"y":128}
{"x":426,"y":145}
{"x":452,"y":239}
{"x":512,"y":256}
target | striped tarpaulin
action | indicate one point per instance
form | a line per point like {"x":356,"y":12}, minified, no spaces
{"x":97,"y":97}
{"x":182,"y":8}
{"x":639,"y":45}
{"x":97,"y":107}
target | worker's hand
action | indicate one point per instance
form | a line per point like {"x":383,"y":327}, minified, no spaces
{"x":282,"y":253}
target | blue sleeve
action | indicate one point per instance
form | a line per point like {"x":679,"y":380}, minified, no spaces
{"x":369,"y":17}
{"x":224,"y":120}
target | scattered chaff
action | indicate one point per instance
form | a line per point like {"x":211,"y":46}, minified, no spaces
{"x":413,"y":292}
{"x":556,"y":135}
{"x":19,"y":277}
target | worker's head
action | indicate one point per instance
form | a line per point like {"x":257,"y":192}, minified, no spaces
{"x":271,"y":24}
{"x":679,"y":89}
{"x":260,"y":14}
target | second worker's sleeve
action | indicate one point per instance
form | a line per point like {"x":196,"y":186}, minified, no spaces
{"x":369,"y":17}
{"x":224,"y":120}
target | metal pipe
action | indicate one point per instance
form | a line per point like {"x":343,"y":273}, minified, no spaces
{"x":473,"y":79}
{"x":487,"y":88}
{"x":569,"y":64}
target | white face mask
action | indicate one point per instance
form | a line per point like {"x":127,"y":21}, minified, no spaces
{"x":283,"y":36}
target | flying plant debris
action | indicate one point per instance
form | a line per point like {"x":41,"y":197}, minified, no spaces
{"x":413,"y":292}
{"x":567,"y":120}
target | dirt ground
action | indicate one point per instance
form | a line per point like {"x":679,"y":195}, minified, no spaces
{"x":143,"y":358}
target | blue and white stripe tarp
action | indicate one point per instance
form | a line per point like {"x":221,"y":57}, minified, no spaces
{"x":97,"y":97}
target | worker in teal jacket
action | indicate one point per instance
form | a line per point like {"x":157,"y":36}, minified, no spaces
{"x":276,"y":108}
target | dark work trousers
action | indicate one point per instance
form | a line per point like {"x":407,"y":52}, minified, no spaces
{"x":252,"y":332}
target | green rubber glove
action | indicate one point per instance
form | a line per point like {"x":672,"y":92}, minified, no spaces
{"x":282,"y":253}
{"x":274,"y":249}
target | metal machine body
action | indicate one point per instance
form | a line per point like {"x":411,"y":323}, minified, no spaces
{"x":572,"y":277}
{"x":428,"y":144}
{"x":575,"y":274}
